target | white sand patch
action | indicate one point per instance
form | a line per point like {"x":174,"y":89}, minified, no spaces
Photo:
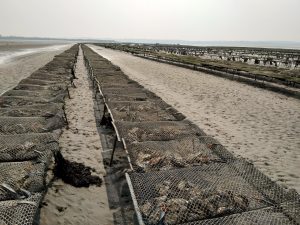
{"x":8,"y":56}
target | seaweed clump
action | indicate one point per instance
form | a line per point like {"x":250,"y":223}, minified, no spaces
{"x":74,"y":173}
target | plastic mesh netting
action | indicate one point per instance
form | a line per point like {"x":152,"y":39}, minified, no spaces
{"x":19,"y":179}
{"x":50,"y":76}
{"x":41,"y":82}
{"x":197,"y":193}
{"x":292,"y":210}
{"x":39,"y":110}
{"x":163,"y":155}
{"x":21,"y":147}
{"x":9,"y":101}
{"x":19,"y":125}
{"x":133,"y":97}
{"x":267,"y":216}
{"x":139,"y":111}
{"x":32,"y":87}
{"x":122,"y":91}
{"x":131,"y":84}
{"x":129,"y":91}
{"x":19,"y":212}
{"x":113,"y":80}
{"x":261,"y":182}
{"x":106,"y":72}
{"x":43,"y":94}
{"x":156,"y":131}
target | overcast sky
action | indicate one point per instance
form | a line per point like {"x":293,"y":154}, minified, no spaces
{"x":201,"y":20}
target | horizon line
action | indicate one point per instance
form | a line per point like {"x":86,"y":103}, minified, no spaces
{"x":141,"y":39}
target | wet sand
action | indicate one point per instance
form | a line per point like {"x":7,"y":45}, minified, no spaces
{"x":65,"y":204}
{"x":17,"y":68}
{"x":257,"y":124}
{"x":6,"y":45}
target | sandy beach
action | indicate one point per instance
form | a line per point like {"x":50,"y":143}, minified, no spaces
{"x":20,"y":59}
{"x":65,"y":204}
{"x":257,"y":124}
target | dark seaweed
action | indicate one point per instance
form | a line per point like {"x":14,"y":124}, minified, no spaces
{"x":74,"y":173}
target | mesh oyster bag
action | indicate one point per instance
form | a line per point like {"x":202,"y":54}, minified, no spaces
{"x":270,"y":189}
{"x":193,"y":194}
{"x":20,"y":125}
{"x":33,"y":146}
{"x":127,"y":91}
{"x":265,"y":216}
{"x":178,"y":153}
{"x":138,"y":111}
{"x":19,"y":179}
{"x":156,"y":131}
{"x":106,"y":72}
{"x":292,"y":210}
{"x":42,"y":82}
{"x":122,"y":91}
{"x":33,"y":87}
{"x":131,"y":84}
{"x":9,"y":101}
{"x":113,"y":80}
{"x":125,"y":97}
{"x":38,"y":110}
{"x":43,"y":94}
{"x":20,"y":212}
{"x":50,"y":76}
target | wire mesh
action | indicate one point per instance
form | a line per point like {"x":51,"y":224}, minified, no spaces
{"x":105,"y":72}
{"x":39,"y":147}
{"x":133,"y":97}
{"x":11,"y":101}
{"x":19,"y":212}
{"x":99,"y":66}
{"x":33,"y":87}
{"x":122,"y":91}
{"x":43,"y":94}
{"x":190,"y":194}
{"x":57,"y":68}
{"x":164,"y":155}
{"x":39,"y":110}
{"x":130,"y":84}
{"x":20,"y":179}
{"x":41,"y":82}
{"x":292,"y":210}
{"x":266,"y":216}
{"x":113,"y":80}
{"x":156,"y":131}
{"x":20,"y":125}
{"x":265,"y":185}
{"x":49,"y":76}
{"x":138,"y":111}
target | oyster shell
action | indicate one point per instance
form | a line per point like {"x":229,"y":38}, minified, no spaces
{"x":176,"y":210}
{"x":163,"y":188}
{"x":147,"y":161}
{"x":188,"y":202}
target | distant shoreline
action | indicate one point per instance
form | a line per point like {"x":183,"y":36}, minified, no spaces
{"x":247,"y":44}
{"x":72,"y":40}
